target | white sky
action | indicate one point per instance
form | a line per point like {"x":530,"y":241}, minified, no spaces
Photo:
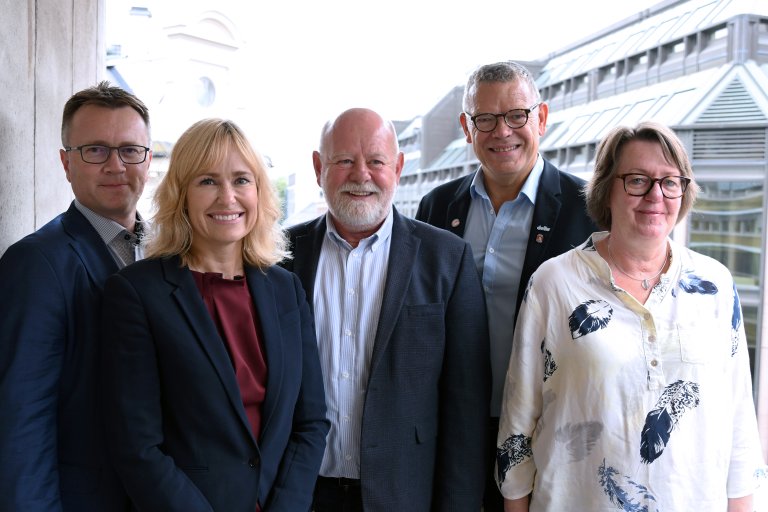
{"x":312,"y":59}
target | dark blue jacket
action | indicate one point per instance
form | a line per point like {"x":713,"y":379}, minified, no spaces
{"x":560,"y":221}
{"x":178,"y":429}
{"x":52,"y":444}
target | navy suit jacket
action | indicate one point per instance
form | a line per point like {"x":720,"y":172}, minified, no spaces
{"x":560,"y":221}
{"x":179,"y":433}
{"x":426,"y":404}
{"x":52,"y":445}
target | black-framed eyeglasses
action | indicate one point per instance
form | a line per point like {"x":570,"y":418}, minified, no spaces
{"x":98,"y":153}
{"x":515,"y":118}
{"x":636,"y":184}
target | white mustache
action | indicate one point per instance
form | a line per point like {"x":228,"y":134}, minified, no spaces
{"x":361,"y":188}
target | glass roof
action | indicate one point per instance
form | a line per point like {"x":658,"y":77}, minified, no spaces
{"x":662,"y":26}
{"x":455,"y":154}
{"x":668,"y":102}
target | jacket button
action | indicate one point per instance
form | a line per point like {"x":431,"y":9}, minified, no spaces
{"x":252,"y":463}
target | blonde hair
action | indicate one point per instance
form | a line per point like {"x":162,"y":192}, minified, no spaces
{"x":200,"y":148}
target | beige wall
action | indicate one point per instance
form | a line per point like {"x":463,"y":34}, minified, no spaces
{"x":48,"y":50}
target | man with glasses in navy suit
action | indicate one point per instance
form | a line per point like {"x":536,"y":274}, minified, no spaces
{"x":52,"y":446}
{"x":516,"y":211}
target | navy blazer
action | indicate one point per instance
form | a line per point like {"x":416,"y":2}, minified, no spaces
{"x":560,"y":221}
{"x":52,"y":445}
{"x":180,"y":436}
{"x":426,"y":406}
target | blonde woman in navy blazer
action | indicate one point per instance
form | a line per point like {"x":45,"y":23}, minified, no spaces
{"x":187,"y":434}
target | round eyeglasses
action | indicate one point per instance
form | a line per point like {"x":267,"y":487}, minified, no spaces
{"x":638,"y":185}
{"x":515,"y":118}
{"x":98,"y":154}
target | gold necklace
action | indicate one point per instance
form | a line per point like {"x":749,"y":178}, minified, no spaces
{"x":643,"y":282}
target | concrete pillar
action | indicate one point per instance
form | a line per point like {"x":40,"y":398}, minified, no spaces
{"x":51,"y":49}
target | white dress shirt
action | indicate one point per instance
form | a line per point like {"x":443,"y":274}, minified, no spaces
{"x":349,"y":289}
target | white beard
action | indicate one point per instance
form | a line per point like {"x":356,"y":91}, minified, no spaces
{"x":360,"y":215}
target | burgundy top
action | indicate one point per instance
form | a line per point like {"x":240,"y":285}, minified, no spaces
{"x":231,"y":308}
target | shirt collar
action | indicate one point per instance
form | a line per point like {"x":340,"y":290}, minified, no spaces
{"x":529,"y":190}
{"x":374,"y":241}
{"x":108,"y":229}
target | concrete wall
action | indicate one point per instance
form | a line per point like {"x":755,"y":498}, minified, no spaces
{"x":49,"y":49}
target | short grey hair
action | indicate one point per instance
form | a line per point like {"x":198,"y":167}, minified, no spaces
{"x":505,"y":71}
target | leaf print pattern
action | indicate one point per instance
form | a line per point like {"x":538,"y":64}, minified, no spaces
{"x":659,"y":423}
{"x":735,"y":322}
{"x":516,"y":449}
{"x":589,"y":316}
{"x":626,"y":494}
{"x":549,"y":362}
{"x":579,"y":438}
{"x":692,"y":283}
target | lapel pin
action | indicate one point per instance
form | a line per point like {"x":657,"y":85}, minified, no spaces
{"x":455,"y":223}
{"x":539,"y":238}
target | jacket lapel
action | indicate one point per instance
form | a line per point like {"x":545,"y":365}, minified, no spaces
{"x":458,"y":208}
{"x":191,"y":304}
{"x":545,"y":215}
{"x":405,"y":247}
{"x":90,"y":248}
{"x":264,"y":299}
{"x":306,"y":254}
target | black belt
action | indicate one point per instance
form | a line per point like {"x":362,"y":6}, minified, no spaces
{"x":338,"y":481}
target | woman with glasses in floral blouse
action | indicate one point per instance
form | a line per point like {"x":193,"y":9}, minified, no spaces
{"x":629,"y":385}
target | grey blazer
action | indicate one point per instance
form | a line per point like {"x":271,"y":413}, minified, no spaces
{"x":424,"y":423}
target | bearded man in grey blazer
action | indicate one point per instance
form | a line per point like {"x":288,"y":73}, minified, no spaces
{"x":402,"y":334}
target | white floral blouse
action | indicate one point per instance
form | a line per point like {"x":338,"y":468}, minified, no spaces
{"x":610,"y":404}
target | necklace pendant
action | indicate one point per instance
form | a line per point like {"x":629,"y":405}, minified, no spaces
{"x":644,"y":284}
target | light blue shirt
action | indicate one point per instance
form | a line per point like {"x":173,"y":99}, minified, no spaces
{"x":498,"y":244}
{"x":349,"y":289}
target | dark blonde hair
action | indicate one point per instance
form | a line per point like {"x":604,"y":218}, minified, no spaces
{"x":201,"y":147}
{"x":598,"y":189}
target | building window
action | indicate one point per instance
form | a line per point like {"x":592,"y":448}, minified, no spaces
{"x":639,"y":62}
{"x":714,"y":35}
{"x":675,"y":49}
{"x":608,"y":72}
{"x":726,"y":225}
{"x":206,"y":92}
{"x":720,"y":33}
{"x":749,"y":316}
